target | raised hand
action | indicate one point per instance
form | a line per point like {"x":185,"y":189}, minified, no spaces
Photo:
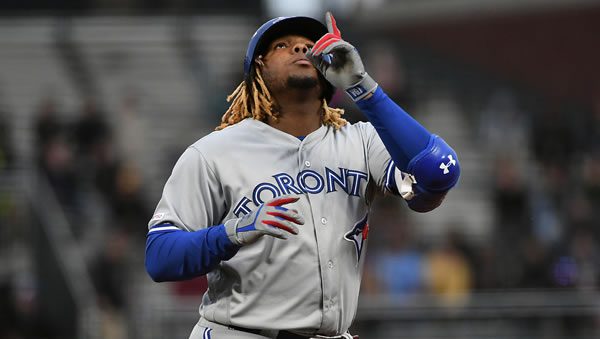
{"x":340,"y":63}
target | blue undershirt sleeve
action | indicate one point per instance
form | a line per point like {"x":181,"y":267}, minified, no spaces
{"x":402,"y":135}
{"x":414,"y":150}
{"x":173,"y":255}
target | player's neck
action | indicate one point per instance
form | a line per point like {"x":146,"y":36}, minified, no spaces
{"x":298,"y":117}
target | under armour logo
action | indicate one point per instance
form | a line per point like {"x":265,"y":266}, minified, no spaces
{"x":451,"y":162}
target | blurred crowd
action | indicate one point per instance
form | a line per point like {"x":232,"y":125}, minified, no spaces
{"x":545,"y":190}
{"x":95,"y":156}
{"x":88,"y":162}
{"x":88,"y":154}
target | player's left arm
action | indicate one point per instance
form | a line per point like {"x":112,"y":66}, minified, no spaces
{"x":432,"y":163}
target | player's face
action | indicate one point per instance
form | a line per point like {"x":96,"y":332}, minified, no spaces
{"x":286,"y":65}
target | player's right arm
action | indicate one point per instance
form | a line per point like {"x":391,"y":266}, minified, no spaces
{"x":183,"y":241}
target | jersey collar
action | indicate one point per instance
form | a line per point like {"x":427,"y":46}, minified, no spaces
{"x":283,"y":137}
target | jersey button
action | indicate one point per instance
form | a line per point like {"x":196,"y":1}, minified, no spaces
{"x":324,"y":221}
{"x":307,"y":163}
{"x":330,"y":264}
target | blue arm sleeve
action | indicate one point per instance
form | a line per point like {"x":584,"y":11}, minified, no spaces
{"x":414,"y":150}
{"x":178,"y":255}
{"x":402,"y":135}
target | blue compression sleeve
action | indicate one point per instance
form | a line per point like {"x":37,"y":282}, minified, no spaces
{"x":414,"y":150}
{"x":178,"y":255}
{"x":402,"y":135}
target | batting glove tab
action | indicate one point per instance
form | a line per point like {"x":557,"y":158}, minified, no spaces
{"x":340,"y":63}
{"x":271,"y":218}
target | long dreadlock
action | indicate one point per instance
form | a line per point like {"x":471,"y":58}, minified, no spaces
{"x":252,"y":99}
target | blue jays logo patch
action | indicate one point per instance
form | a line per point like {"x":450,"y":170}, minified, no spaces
{"x":358,"y":235}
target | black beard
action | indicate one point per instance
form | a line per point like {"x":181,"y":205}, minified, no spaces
{"x":302,"y":82}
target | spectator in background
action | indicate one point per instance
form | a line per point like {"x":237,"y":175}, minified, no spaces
{"x":90,"y":129}
{"x":8,"y":320}
{"x":512,"y":223}
{"x":486,"y":275}
{"x":510,"y":198}
{"x":504,"y":126}
{"x":581,"y":214}
{"x":388,"y":68}
{"x":448,"y":273}
{"x":58,"y":166}
{"x":131,"y":130}
{"x":553,"y":139}
{"x":120,"y":184}
{"x":6,"y":143}
{"x":47,"y":126}
{"x":535,"y":262}
{"x":106,"y":165}
{"x":556,"y":147}
{"x":54,"y":154}
{"x":109,"y":274}
{"x":590,"y":176}
{"x":469,"y":252}
{"x":129,"y":205}
{"x":586,"y":254}
{"x":587,"y":128}
{"x":398,"y":264}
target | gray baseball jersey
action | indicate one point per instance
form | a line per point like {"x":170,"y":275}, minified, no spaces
{"x":310,"y":282}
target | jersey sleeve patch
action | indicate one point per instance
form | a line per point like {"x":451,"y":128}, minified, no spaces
{"x":158,"y":217}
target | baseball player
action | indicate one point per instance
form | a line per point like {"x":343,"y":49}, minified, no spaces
{"x":273,"y":207}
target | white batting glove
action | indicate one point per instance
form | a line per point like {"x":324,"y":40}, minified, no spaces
{"x":271,"y":218}
{"x":340,"y":63}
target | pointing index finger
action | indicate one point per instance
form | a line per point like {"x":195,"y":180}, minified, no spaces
{"x":331,"y":25}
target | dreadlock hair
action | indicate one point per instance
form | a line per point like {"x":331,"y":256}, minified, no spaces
{"x":252,"y":99}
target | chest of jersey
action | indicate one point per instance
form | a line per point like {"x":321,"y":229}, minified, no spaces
{"x":330,"y":171}
{"x":317,"y":169}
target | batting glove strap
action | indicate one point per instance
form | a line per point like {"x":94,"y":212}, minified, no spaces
{"x":362,"y":88}
{"x":231,"y":230}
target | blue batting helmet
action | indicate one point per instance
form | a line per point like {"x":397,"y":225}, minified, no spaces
{"x":278,"y":27}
